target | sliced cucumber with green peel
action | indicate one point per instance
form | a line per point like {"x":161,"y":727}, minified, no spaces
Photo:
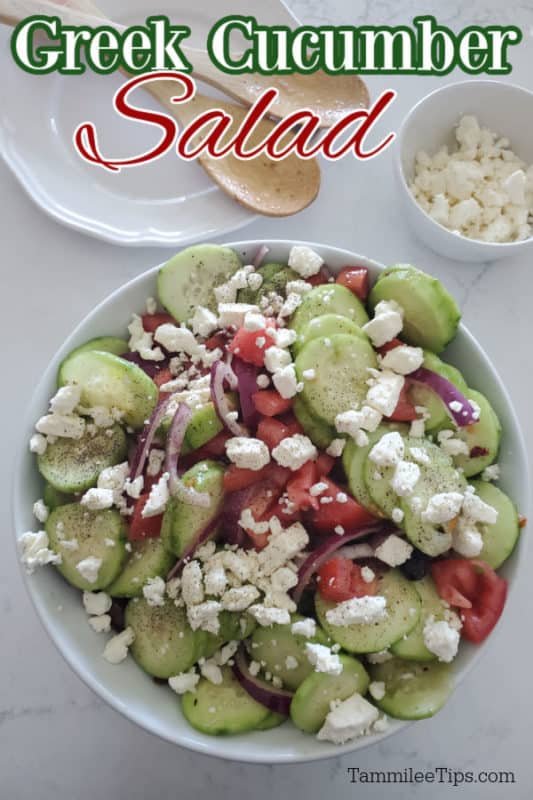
{"x":53,"y":498}
{"x":76,"y":534}
{"x":272,"y":721}
{"x":330,"y":298}
{"x":412,"y":646}
{"x":320,"y":433}
{"x":105,"y":344}
{"x":188,"y":280}
{"x":499,"y":539}
{"x":326,"y":325}
{"x":341,"y":365}
{"x":275,"y":278}
{"x":483,"y":437}
{"x":421,"y":395}
{"x":73,"y":465}
{"x":403,"y":611}
{"x":182,"y":522}
{"x":164,"y":643}
{"x":438,"y":476}
{"x":381,"y":493}
{"x":431,"y":315}
{"x":222,"y":709}
{"x":272,"y":647}
{"x":109,"y":381}
{"x":204,"y":425}
{"x":234,"y":626}
{"x":148,"y":559}
{"x":412,"y":690}
{"x":312,"y":700}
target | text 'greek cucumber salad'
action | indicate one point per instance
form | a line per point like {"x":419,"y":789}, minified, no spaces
{"x":278,"y":495}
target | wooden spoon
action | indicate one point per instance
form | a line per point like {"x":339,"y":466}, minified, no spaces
{"x":271,"y":188}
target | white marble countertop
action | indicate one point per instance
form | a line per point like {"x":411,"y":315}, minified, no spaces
{"x":57,"y":739}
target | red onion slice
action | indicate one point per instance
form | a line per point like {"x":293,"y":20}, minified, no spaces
{"x":146,"y":438}
{"x":207,"y":533}
{"x":220,"y":374}
{"x":324,"y":551}
{"x":247,"y":386}
{"x":260,"y":255}
{"x":175,"y":439}
{"x":278,"y":700}
{"x":150,"y":367}
{"x":448,"y":393}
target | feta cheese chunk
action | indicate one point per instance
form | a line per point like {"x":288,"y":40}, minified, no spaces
{"x":377,"y":690}
{"x":233,"y":314}
{"x":176,"y":339}
{"x":89,"y":568}
{"x":294,"y":451}
{"x":336,"y":448}
{"x":116,"y":650}
{"x":361,"y":610}
{"x":477,"y":510}
{"x":100,"y":623}
{"x":394,"y":551}
{"x":158,"y":498}
{"x":34,"y":551}
{"x":204,"y":322}
{"x":247,"y":453}
{"x":154,"y":591}
{"x":403,"y":359}
{"x":65,"y":400}
{"x":322,"y":658}
{"x":305,"y":261}
{"x":351,"y":422}
{"x":266,"y":616}
{"x":405,"y":478}
{"x":467,"y":539}
{"x":304,"y":627}
{"x":38,"y":444}
{"x":239,"y":598}
{"x":285,"y":381}
{"x":388,"y":451}
{"x":204,"y":616}
{"x":40,"y":511}
{"x":385,"y":392}
{"x":96,"y":603}
{"x":348,"y":720}
{"x":184,"y":682}
{"x":441,"y":639}
{"x":386,"y":324}
{"x":443,"y":507}
{"x":276,"y":358}
{"x":97,"y":499}
{"x":192,"y":588}
{"x":65,"y":426}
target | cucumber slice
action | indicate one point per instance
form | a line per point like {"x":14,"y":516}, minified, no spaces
{"x":330,"y":298}
{"x":326,"y":325}
{"x":204,"y":425}
{"x":499,"y":540}
{"x":341,"y":374}
{"x":148,"y":559}
{"x":311,"y":702}
{"x":413,"y":691}
{"x":110,"y":381}
{"x":164,"y":644}
{"x":100,"y":534}
{"x":440,"y":475}
{"x":353,"y":461}
{"x":73,"y":465}
{"x":403,"y":611}
{"x":183,"y":522}
{"x":188,"y":279}
{"x":222,"y":709}
{"x":484,"y":434}
{"x":275,"y":278}
{"x":272,"y":721}
{"x":233,"y":627}
{"x":412,"y":646}
{"x":272,"y":646}
{"x":105,"y":344}
{"x":320,"y":433}
{"x":431,"y":315}
{"x":381,"y":493}
{"x":421,"y":395}
{"x":53,"y":498}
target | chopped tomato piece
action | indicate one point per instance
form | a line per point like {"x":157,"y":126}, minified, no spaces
{"x":237,"y":478}
{"x":298,"y":487}
{"x":476,"y":589}
{"x":278,"y":475}
{"x":389,"y":346}
{"x":151,"y":322}
{"x":270,"y":403}
{"x":334,"y":513}
{"x":340,"y":579}
{"x":272,"y":431}
{"x":319,"y":279}
{"x":324,"y":464}
{"x":356,"y":280}
{"x":292,"y":424}
{"x":218,"y":341}
{"x":284,"y":510}
{"x":162,"y":376}
{"x":250,"y":346}
{"x":140,"y":528}
{"x":261,"y":505}
{"x":359,"y":586}
{"x":405,"y":410}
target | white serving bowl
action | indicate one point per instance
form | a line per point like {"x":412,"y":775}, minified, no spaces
{"x":125,"y":687}
{"x":502,"y":107}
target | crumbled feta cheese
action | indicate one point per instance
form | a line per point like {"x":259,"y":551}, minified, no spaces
{"x":379,"y":658}
{"x":322,"y":659}
{"x":467,"y":539}
{"x":441,"y":639}
{"x":100,"y":623}
{"x":397,"y":515}
{"x":204,"y":616}
{"x":114,"y":478}
{"x":403,"y":359}
{"x":263,"y":381}
{"x":405,"y":478}
{"x":351,"y":422}
{"x":239,"y":598}
{"x":40,"y":511}
{"x":38,"y":444}
{"x":284,"y":337}
{"x":176,"y":339}
{"x":491,"y":473}
{"x":388,"y":451}
{"x":211,"y":672}
{"x":247,"y":453}
{"x":116,"y":650}
{"x":361,"y":610}
{"x":184,"y":682}
{"x":285,"y":381}
{"x":318,"y":489}
{"x":89,"y":568}
{"x":477,"y":510}
{"x":204,"y":322}
{"x":97,"y":499}
{"x":158,"y":498}
{"x":394,"y":551}
{"x":419,"y":455}
{"x":266,"y":616}
{"x":65,"y":426}
{"x":151,"y":305}
{"x":386,"y":324}
{"x":215,"y":579}
{"x":367,"y":574}
{"x":192,"y":588}
{"x":443,"y":507}
{"x":335,"y":449}
{"x":249,"y":523}
{"x":154,"y":591}
{"x":254,"y":668}
{"x":350,"y":719}
{"x":34,"y":551}
{"x":65,"y":400}
{"x":298,"y":287}
{"x":289,"y":306}
{"x":385,"y":391}
{"x":134,"y":488}
{"x":304,"y":627}
{"x":96,"y":603}
{"x":233,"y":314}
{"x":294,"y":451}
{"x":291,"y":663}
{"x":377,"y":690}
{"x":305,"y":261}
{"x":452,"y":446}
{"x":309,"y":374}
{"x":276,"y":358}
{"x":226,"y":653}
{"x":254,"y":321}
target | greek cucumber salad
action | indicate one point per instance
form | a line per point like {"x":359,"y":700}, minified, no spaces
{"x":276,"y":496}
